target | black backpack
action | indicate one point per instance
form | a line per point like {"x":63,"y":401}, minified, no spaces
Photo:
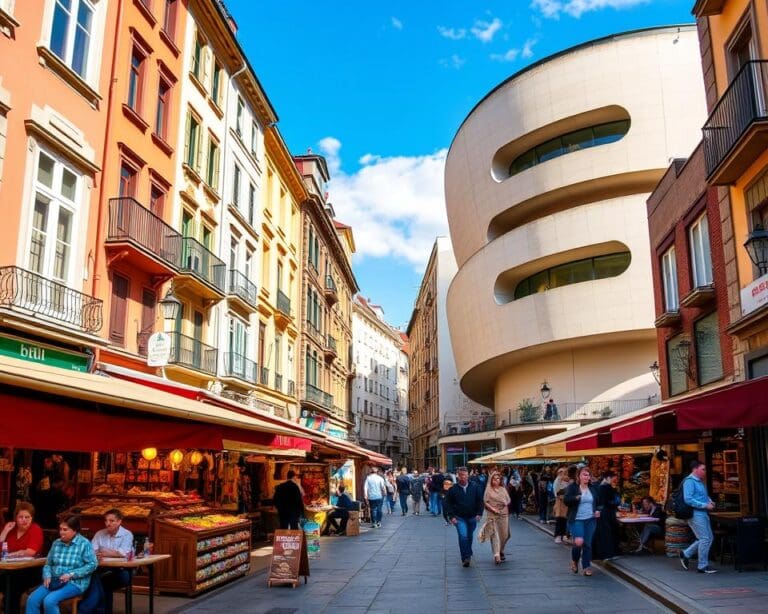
{"x":682,"y":510}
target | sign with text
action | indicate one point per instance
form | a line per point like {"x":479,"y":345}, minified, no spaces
{"x":289,"y":558}
{"x":754,"y":295}
{"x":42,"y":353}
{"x":158,"y":349}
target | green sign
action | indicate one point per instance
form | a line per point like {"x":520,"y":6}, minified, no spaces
{"x":41,"y":353}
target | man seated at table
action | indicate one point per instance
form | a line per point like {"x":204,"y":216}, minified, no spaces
{"x":343,"y":507}
{"x":651,"y":529}
{"x":113,"y":541}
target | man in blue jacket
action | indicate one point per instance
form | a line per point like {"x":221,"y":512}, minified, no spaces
{"x":695,"y":495}
{"x":464,"y":505}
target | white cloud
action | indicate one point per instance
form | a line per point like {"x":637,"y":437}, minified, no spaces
{"x":396,"y":23}
{"x":527,"y":50}
{"x":454,"y":34}
{"x":395,"y":205}
{"x":485,"y":30}
{"x":509,"y":56}
{"x":455,"y":61}
{"x":575,"y":8}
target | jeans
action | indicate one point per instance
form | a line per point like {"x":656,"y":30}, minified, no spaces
{"x":649,"y":530}
{"x":435,"y":503}
{"x":543,"y":501}
{"x":586,"y":529}
{"x":47,"y":601}
{"x":391,"y":502}
{"x":404,"y":503}
{"x":376,"y":510}
{"x":465,"y":527}
{"x":703,"y":531}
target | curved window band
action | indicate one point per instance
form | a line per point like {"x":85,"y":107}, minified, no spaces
{"x":588,"y":269}
{"x":601,"y":134}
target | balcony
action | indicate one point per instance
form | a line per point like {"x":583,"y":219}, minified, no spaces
{"x":339,"y":413}
{"x":668,"y":319}
{"x":34,"y":295}
{"x":331,"y":294}
{"x":142,"y":240}
{"x":242,"y":290}
{"x":315,"y":333}
{"x":329,"y":348}
{"x":737,"y":129}
{"x":283,"y":313}
{"x":190,"y":353}
{"x":239,"y":367}
{"x":699,"y":296}
{"x":201,"y":270}
{"x":704,"y":8}
{"x":264,"y":376}
{"x":314,"y":396}
{"x":278,"y":382}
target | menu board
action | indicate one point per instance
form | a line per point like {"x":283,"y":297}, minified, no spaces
{"x":289,"y":558}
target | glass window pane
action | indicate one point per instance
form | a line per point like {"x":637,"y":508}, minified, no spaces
{"x":527,"y":160}
{"x":68,"y":185}
{"x":550,"y":149}
{"x":45,"y":170}
{"x":82,"y":39}
{"x":63,"y":236}
{"x":608,"y":133}
{"x":522,"y":289}
{"x":539,"y":282}
{"x":678,"y":380}
{"x":560,"y":275}
{"x":577,"y":140}
{"x":60,"y":27}
{"x":611,"y":265}
{"x":709,"y":360}
{"x":37,"y":242}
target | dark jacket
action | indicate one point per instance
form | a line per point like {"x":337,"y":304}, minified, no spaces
{"x":460,"y":504}
{"x":573,"y":496}
{"x":288,"y":500}
{"x":404,"y":484}
{"x":436,"y":482}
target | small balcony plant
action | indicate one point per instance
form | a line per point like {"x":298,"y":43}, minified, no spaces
{"x":528,"y":411}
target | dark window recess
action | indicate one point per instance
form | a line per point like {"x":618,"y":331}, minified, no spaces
{"x":709,"y":359}
{"x":148,"y":302}
{"x":118,"y":308}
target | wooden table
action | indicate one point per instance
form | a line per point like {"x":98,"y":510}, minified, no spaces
{"x":123,"y":563}
{"x":7,"y":568}
{"x":631,"y":524}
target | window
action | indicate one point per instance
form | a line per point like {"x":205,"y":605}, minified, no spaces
{"x":136,"y":80}
{"x":197,"y":58}
{"x":216,"y":83}
{"x":669,"y":279}
{"x":239,"y":117}
{"x":192,"y":142}
{"x":157,"y":201}
{"x":71,"y":33}
{"x":678,"y":379}
{"x":701,"y":256}
{"x":212,"y":169}
{"x":278,"y":354}
{"x":254,"y":139}
{"x":251,"y":204}
{"x":169,"y":18}
{"x":128,"y":180}
{"x":709,"y":359}
{"x":56,"y":194}
{"x":163,"y":109}
{"x":236,"y":172}
{"x":118,"y":308}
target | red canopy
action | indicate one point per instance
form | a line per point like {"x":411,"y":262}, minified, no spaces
{"x":737,"y":405}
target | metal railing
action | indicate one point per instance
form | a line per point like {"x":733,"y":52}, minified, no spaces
{"x":278,"y":382}
{"x":240,"y":285}
{"x":237,"y":365}
{"x":331,"y":344}
{"x":315,"y":395}
{"x":743,"y":103}
{"x":26,"y":290}
{"x":291,"y":387}
{"x":314,"y":331}
{"x":201,"y":262}
{"x":283,"y":303}
{"x":190,"y":352}
{"x":130,"y":221}
{"x":584,"y":412}
{"x":330,"y":285}
{"x":264,"y":376}
{"x":339,"y":412}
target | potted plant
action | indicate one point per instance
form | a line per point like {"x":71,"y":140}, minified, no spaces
{"x":528,"y":411}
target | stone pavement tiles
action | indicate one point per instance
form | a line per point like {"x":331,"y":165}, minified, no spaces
{"x":412,"y":564}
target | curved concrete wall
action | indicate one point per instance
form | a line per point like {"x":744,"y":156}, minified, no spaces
{"x":573,"y":203}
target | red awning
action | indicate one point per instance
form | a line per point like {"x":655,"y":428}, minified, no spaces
{"x":737,"y":405}
{"x":588,"y":441}
{"x":271,"y":440}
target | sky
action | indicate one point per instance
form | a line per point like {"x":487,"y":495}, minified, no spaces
{"x":380,"y":89}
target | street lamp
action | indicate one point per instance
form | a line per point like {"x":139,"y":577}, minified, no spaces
{"x":545,"y":390}
{"x":171,"y":305}
{"x":757,"y":248}
{"x":656,"y":371}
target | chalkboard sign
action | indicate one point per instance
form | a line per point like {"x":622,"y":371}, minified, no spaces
{"x":289,"y":558}
{"x":750,"y":541}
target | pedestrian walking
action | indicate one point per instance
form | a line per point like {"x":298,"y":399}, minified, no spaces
{"x":496,"y":503}
{"x":465,"y":507}
{"x":545,"y":494}
{"x":583,"y":501}
{"x":403,"y":489}
{"x":375,"y":489}
{"x":447,"y":483}
{"x":289,"y":502}
{"x":391,"y":486}
{"x":606,"y":544}
{"x":435,"y":487}
{"x":695,"y":495}
{"x":515,"y":488}
{"x":417,"y":491}
{"x":560,"y":509}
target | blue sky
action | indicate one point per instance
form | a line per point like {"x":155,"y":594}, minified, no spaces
{"x":380,"y":88}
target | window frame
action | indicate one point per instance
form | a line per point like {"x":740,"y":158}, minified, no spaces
{"x":239,"y":113}
{"x":192,"y":146}
{"x":696,"y":337}
{"x":669,"y":284}
{"x":170,"y":18}
{"x":136,"y":79}
{"x":213,"y":163}
{"x":163,"y":102}
{"x":697,"y":242}
{"x":67,"y":56}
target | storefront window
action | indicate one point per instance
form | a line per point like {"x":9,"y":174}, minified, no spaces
{"x":678,"y":380}
{"x":709,"y":360}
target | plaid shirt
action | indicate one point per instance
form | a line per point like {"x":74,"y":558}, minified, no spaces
{"x":76,"y":558}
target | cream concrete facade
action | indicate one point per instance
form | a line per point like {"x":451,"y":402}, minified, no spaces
{"x":589,"y":340}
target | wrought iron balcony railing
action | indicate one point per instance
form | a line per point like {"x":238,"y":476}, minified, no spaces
{"x":25,"y":290}
{"x":237,"y":365}
{"x":742,"y":104}
{"x":317,"y":396}
{"x":130,"y":221}
{"x":239,"y":285}
{"x":201,"y":262}
{"x":283,"y":303}
{"x":314,"y":331}
{"x":190,"y":352}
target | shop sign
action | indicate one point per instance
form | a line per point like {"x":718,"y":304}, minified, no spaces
{"x":754,"y":295}
{"x":454,"y":449}
{"x":289,"y":558}
{"x":158,"y":349}
{"x":337,"y":433}
{"x":43,"y":354}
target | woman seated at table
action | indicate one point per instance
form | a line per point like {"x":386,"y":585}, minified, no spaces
{"x":25,"y":539}
{"x":651,"y":529}
{"x":67,"y":572}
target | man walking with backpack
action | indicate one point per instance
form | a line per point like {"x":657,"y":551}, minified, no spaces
{"x":695,"y":495}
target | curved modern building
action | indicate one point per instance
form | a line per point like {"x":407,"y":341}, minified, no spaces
{"x":546,"y":184}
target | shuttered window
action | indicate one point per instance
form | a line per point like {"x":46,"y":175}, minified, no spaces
{"x":118,"y":308}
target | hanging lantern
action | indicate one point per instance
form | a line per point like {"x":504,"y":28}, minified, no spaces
{"x":149,"y":454}
{"x":176,"y":456}
{"x":195,"y":458}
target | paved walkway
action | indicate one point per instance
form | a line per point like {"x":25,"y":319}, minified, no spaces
{"x":412,"y":564}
